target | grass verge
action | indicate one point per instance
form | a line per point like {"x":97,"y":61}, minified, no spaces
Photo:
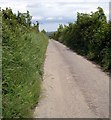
{"x":23,"y":58}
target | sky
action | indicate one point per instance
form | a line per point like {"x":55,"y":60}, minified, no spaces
{"x":51,"y":13}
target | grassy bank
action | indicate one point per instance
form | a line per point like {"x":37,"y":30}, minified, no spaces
{"x":23,"y":57}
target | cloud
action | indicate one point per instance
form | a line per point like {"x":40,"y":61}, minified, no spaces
{"x":60,"y":18}
{"x":49,"y":18}
{"x":65,"y":9}
{"x":57,"y":20}
{"x":14,"y":5}
{"x":37,"y":17}
{"x":55,"y":11}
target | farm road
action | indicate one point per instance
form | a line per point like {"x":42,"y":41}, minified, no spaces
{"x":73,"y":87}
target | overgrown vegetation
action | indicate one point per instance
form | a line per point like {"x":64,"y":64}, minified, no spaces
{"x":23,"y":56}
{"x":90,"y":36}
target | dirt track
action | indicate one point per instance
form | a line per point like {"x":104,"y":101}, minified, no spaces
{"x":73,"y":87}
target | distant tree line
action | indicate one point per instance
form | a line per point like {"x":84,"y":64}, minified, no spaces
{"x":89,"y":35}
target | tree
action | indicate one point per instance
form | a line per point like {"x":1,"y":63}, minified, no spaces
{"x":37,"y":25}
{"x":89,"y":36}
{"x":28,"y":18}
{"x":43,"y":31}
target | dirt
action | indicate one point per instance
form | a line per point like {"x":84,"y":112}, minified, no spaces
{"x":73,"y":87}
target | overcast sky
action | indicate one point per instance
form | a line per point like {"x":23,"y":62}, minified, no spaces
{"x":51,"y":13}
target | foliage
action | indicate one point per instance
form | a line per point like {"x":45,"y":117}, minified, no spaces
{"x":43,"y":31}
{"x":23,"y":57}
{"x":90,"y":35}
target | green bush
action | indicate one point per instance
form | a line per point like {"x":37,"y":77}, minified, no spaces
{"x":90,"y":36}
{"x":23,"y":57}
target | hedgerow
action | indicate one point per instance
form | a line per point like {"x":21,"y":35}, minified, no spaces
{"x":89,"y":35}
{"x":23,"y":56}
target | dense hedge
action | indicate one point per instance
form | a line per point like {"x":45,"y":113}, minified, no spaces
{"x":23,"y":56}
{"x":90,"y":35}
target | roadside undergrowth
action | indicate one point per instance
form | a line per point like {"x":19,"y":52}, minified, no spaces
{"x":23,"y":57}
